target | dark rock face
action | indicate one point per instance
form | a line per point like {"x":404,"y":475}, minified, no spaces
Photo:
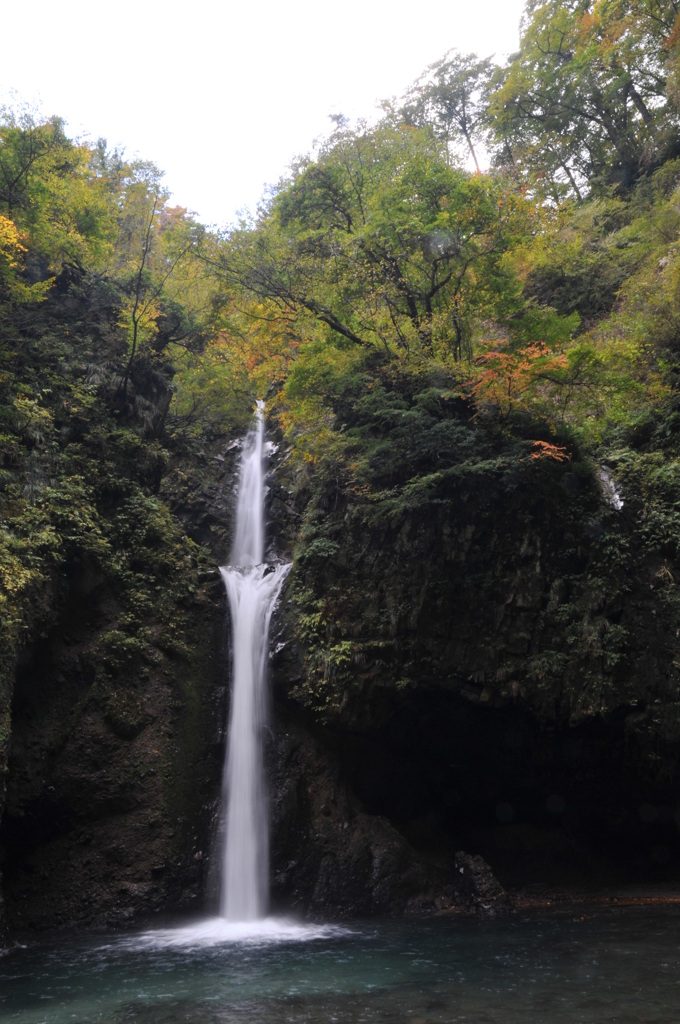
{"x":483,"y":888}
{"x":490,"y":693}
{"x":332,"y":859}
{"x":577,"y":808}
{"x":495,"y":660}
{"x":113,"y":733}
{"x":106,"y":814}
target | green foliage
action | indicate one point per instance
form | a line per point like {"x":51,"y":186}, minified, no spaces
{"x":448,"y":355}
{"x":105,"y":307}
{"x":381,"y":243}
{"x":449,"y":98}
{"x":583,"y":105}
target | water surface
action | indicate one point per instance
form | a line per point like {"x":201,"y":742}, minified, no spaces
{"x":619,"y":965}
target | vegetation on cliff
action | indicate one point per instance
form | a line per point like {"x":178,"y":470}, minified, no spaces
{"x":471,"y":349}
{"x":450,"y":357}
{"x":103,"y":594}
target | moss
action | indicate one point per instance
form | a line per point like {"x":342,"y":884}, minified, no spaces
{"x":444,"y":555}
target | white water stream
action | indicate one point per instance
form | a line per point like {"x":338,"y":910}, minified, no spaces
{"x":252,"y":589}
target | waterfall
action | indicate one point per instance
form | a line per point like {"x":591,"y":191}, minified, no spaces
{"x":252,"y":589}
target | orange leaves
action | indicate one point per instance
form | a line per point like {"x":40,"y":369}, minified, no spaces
{"x":545,"y":450}
{"x":521,"y":380}
{"x":674,"y":38}
{"x":513,"y":379}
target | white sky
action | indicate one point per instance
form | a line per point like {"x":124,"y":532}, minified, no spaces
{"x":222,"y":96}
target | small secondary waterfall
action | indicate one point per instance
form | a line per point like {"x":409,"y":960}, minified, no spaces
{"x":252,"y":589}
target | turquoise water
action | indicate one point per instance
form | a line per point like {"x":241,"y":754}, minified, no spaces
{"x":618,"y":965}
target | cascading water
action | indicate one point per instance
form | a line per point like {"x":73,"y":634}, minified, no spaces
{"x":252,"y":589}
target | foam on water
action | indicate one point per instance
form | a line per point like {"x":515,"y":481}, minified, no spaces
{"x":218,"y":931}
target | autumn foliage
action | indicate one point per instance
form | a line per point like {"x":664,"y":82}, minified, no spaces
{"x":516,"y":379}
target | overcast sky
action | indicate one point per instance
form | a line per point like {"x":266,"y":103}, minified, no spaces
{"x":222,"y":96}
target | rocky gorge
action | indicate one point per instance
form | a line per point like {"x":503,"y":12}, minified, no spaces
{"x":448,"y":740}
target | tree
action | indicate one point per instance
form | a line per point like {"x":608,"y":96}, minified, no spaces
{"x":449,"y":98}
{"x":153,"y":242}
{"x":583,"y":104}
{"x":90,"y":230}
{"x":382,"y":243}
{"x":27,"y":146}
{"x":12,"y":254}
{"x":47,"y":187}
{"x":516,"y":379}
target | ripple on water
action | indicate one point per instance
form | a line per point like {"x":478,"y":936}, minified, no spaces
{"x":615,"y":965}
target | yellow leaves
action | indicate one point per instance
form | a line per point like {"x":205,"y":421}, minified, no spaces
{"x":309,"y":425}
{"x":32,"y":421}
{"x":269,"y":344}
{"x":587,"y":23}
{"x":12,"y":252}
{"x":210,"y":388}
{"x":14,"y":575}
{"x":140,"y":322}
{"x":249,"y":355}
{"x":10,"y":246}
